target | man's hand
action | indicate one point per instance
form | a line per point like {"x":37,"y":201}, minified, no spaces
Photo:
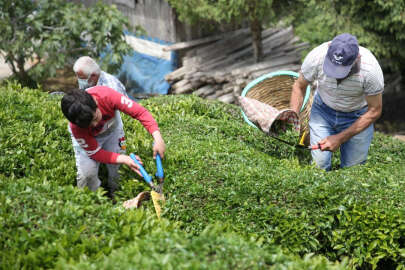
{"x":159,"y":145}
{"x":330,"y":143}
{"x":127,"y":160}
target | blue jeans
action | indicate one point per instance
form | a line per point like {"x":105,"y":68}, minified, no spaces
{"x":325,"y":121}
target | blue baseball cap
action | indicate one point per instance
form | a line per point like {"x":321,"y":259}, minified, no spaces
{"x":341,"y":55}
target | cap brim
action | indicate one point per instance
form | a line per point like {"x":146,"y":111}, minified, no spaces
{"x":335,"y":71}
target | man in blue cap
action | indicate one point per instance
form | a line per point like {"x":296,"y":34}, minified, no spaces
{"x":348,"y":99}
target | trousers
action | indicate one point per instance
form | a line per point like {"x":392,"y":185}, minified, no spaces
{"x":87,"y":168}
{"x":325,"y":121}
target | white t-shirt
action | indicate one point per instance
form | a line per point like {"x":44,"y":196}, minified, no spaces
{"x":349,"y":94}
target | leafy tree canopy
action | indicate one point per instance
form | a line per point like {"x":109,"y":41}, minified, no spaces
{"x":222,"y":10}
{"x":50,"y":34}
{"x":378,"y":25}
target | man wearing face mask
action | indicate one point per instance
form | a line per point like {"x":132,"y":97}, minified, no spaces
{"x":347,"y":101}
{"x":88,"y":75}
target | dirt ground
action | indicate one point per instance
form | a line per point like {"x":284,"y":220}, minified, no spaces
{"x":65,"y":80}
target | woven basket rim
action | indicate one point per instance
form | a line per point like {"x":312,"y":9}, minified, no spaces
{"x":264,"y":77}
{"x":274,"y":74}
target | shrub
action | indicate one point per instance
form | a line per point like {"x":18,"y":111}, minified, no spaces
{"x":235,"y":197}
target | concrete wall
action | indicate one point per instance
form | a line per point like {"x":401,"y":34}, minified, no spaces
{"x":155,"y":16}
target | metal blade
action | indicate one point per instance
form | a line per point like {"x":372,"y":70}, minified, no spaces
{"x":156,"y":199}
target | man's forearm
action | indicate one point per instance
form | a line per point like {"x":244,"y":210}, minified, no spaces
{"x":297,"y":98}
{"x":359,"y":125}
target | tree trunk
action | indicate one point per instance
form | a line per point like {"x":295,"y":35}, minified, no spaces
{"x":23,"y":77}
{"x":256,"y":29}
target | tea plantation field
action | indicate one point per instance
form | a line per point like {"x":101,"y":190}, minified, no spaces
{"x":236,"y":199}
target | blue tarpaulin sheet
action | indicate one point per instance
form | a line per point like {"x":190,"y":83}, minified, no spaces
{"x":144,"y":70}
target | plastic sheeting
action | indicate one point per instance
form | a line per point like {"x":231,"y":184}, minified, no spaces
{"x":143,"y":72}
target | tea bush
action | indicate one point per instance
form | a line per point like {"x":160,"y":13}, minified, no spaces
{"x":228,"y":171}
{"x":235,"y":197}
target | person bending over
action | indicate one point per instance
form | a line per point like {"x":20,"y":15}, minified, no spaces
{"x":347,"y":101}
{"x":94,"y":127}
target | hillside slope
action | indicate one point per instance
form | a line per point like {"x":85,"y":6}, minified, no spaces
{"x":235,"y":197}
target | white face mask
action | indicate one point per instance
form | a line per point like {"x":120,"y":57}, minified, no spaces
{"x":83,"y":83}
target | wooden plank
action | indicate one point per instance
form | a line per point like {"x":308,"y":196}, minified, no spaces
{"x":237,"y":54}
{"x":275,"y":41}
{"x":193,"y":75}
{"x":187,"y":88}
{"x":227,"y":98}
{"x":221,"y":69}
{"x":234,"y":49}
{"x":201,"y":41}
{"x":275,"y":63}
{"x":237,"y":43}
{"x":296,"y":47}
{"x":222,"y":92}
{"x":259,"y":73}
{"x":180,"y":84}
{"x":269,"y":32}
{"x":177,"y":75}
{"x":196,"y":83}
{"x":219,"y":48}
{"x":237,"y":89}
{"x":272,"y":62}
{"x":205,"y":90}
{"x":229,"y":51}
{"x":213,"y":96}
{"x":223,"y":45}
{"x":192,"y":61}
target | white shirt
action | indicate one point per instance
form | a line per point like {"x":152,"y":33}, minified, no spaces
{"x":349,"y":95}
{"x":111,"y":81}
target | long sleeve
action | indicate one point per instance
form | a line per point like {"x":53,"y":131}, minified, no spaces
{"x":133,"y":109}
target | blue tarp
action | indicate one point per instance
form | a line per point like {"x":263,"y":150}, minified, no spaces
{"x":143,"y":72}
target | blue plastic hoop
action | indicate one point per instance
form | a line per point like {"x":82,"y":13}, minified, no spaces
{"x":270,"y":75}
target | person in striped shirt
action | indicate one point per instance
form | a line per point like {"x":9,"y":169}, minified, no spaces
{"x":347,"y":101}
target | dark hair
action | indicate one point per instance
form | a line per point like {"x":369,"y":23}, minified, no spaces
{"x":79,"y":107}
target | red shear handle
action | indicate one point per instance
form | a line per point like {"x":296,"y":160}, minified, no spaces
{"x":315,"y":147}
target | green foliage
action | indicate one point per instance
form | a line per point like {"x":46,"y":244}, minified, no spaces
{"x":378,"y":25}
{"x":235,"y":197}
{"x":228,"y":172}
{"x":223,"y":10}
{"x":49,"y":34}
{"x":43,"y":221}
{"x":34,"y":134}
{"x":214,"y":248}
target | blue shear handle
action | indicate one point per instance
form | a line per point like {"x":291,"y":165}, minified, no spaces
{"x":145,"y":175}
{"x":159,"y":167}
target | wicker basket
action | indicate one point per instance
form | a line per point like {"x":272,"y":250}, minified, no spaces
{"x":274,"y":89}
